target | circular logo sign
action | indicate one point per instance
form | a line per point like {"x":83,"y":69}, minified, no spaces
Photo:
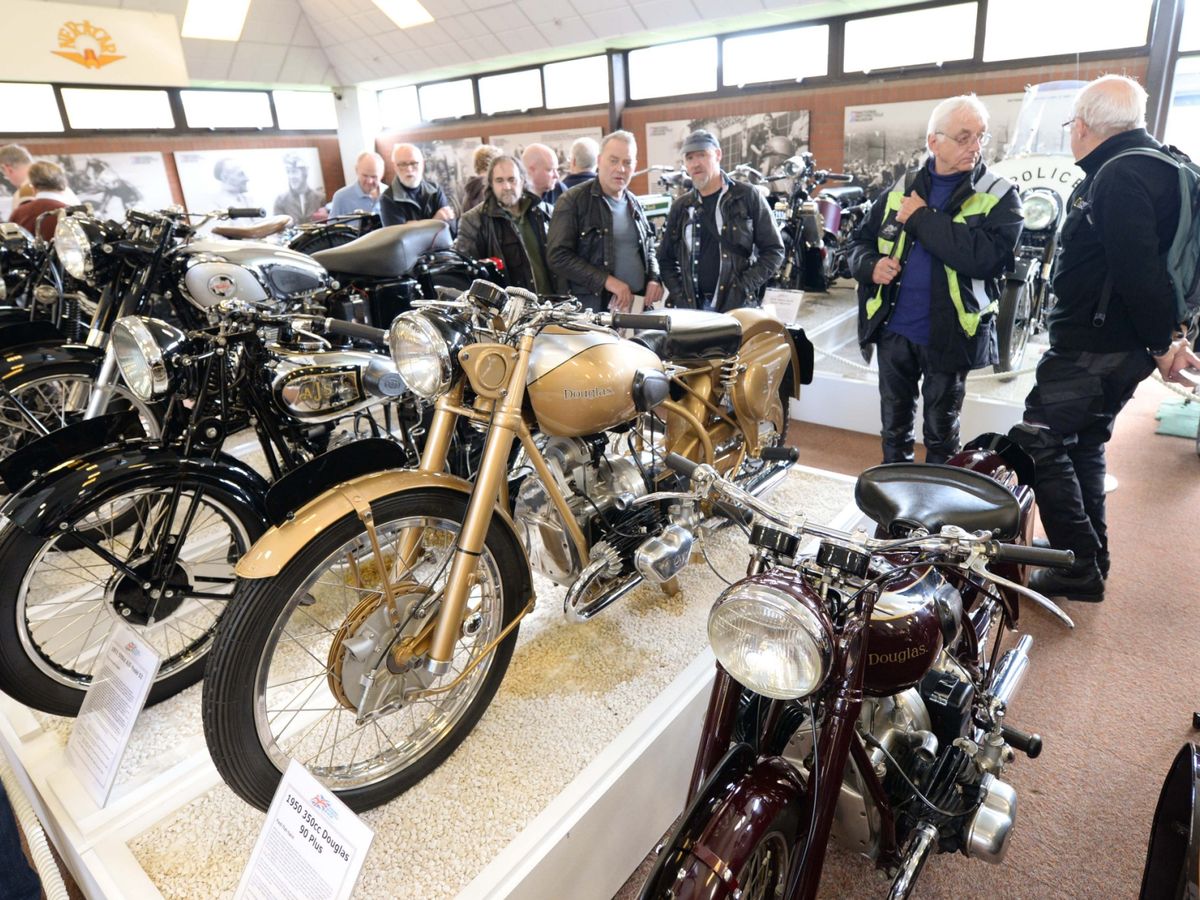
{"x":222,"y":286}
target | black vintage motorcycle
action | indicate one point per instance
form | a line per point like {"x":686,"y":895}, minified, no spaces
{"x":1028,"y":295}
{"x":861,"y":692}
{"x":107,"y":525}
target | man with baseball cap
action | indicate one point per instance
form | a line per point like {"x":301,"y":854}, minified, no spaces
{"x":720,"y":244}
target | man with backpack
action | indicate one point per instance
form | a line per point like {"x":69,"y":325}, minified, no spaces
{"x":1123,"y":286}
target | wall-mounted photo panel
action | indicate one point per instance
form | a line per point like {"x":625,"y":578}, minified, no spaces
{"x":760,"y":140}
{"x":281,"y":180}
{"x":111,"y":182}
{"x":448,"y":164}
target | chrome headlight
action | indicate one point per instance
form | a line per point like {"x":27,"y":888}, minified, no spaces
{"x":73,"y":248}
{"x":141,"y":347}
{"x":1040,"y":211}
{"x":421,"y":355}
{"x":770,"y":641}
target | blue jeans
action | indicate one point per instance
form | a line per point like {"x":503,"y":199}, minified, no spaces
{"x":18,"y":881}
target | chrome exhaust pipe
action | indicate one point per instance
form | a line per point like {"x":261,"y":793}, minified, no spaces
{"x":1011,"y":671}
{"x":914,"y":860}
{"x":581,"y":612}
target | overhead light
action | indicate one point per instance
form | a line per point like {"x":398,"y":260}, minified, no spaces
{"x":214,"y":20}
{"x":405,"y":13}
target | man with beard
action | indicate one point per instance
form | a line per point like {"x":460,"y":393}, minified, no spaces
{"x":720,"y":244}
{"x":510,"y":224}
{"x":600,"y":242}
{"x":410,"y":197}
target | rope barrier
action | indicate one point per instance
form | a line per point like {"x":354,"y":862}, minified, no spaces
{"x":862,"y":368}
{"x":1190,"y":395}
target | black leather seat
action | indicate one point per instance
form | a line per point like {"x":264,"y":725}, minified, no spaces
{"x":387,"y":252}
{"x":694,"y":334}
{"x":902,"y":496}
{"x":846,"y":194}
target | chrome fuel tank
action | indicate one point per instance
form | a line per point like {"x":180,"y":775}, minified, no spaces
{"x":208,"y":272}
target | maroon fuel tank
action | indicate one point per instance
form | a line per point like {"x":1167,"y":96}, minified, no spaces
{"x":912,"y":618}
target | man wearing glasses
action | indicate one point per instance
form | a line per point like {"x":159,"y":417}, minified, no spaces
{"x":928,"y":258}
{"x":410,"y":196}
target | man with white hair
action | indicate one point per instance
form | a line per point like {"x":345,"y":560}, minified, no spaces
{"x":581,"y":166}
{"x":1114,"y":322}
{"x":928,"y":259}
{"x":410,"y":197}
{"x":541,"y":167}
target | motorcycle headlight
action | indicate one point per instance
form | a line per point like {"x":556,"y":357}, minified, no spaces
{"x":1040,"y":212}
{"x":421,"y":355}
{"x":73,"y":249}
{"x":141,"y":347}
{"x":770,"y":641}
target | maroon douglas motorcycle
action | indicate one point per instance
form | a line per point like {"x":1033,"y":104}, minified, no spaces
{"x":861,"y":693}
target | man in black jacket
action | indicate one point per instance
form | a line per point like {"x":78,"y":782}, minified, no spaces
{"x":410,"y":196}
{"x":600,"y":242}
{"x":1117,"y":228}
{"x":510,"y":224}
{"x":927,"y":258}
{"x":720,"y":244}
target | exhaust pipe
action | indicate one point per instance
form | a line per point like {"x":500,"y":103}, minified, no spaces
{"x":1011,"y":671}
{"x":919,"y":846}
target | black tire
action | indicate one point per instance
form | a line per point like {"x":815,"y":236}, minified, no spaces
{"x":761,"y":876}
{"x":255,"y":640}
{"x":51,"y":628}
{"x":1013,"y":322}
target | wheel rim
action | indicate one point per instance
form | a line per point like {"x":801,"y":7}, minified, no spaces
{"x":68,"y":599}
{"x":297,"y":715}
{"x":762,"y":876}
{"x":48,"y":399}
{"x":1020,"y":330}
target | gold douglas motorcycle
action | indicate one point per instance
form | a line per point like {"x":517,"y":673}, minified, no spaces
{"x":373,"y":623}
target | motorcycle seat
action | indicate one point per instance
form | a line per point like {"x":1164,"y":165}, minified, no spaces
{"x":845,"y":195}
{"x":694,"y":334}
{"x":902,"y":496}
{"x":265,"y":228}
{"x":387,"y":252}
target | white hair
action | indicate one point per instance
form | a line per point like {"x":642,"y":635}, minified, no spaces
{"x":583,"y":154}
{"x":1112,"y":104}
{"x":940,"y":118}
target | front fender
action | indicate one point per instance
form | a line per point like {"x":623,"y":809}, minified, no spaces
{"x":1173,"y":857}
{"x":83,"y":481}
{"x":744,"y":800}
{"x":16,"y":330}
{"x":88,"y":437}
{"x":17,"y":360}
{"x":282,"y":542}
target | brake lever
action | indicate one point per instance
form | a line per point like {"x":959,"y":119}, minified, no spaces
{"x":977,"y":563}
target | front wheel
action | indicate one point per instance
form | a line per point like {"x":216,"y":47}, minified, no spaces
{"x":300,"y":667}
{"x":1012,"y":325}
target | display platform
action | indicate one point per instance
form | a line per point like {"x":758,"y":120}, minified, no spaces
{"x":572,"y":775}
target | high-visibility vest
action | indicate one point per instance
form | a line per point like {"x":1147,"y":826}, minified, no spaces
{"x":979,"y":203}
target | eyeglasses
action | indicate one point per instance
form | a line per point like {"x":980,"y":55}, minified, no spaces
{"x":415,"y":164}
{"x":1069,"y":122}
{"x":965,"y":140}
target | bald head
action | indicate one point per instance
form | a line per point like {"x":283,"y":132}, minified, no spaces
{"x":1110,"y":105}
{"x":410,"y":164}
{"x":541,"y":165}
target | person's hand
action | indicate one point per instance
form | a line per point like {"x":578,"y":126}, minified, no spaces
{"x":321,"y":215}
{"x":1175,"y":360}
{"x":622,"y":296}
{"x":446,"y":214}
{"x":910,"y":205}
{"x":654,"y":293}
{"x":886,"y":270}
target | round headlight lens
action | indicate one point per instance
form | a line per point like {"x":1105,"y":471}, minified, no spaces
{"x":72,"y":247}
{"x":421,"y":355}
{"x":1040,"y":212}
{"x":140,"y":358}
{"x":769,"y":641}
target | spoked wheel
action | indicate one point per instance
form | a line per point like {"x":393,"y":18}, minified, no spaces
{"x":763,"y":876}
{"x":62,"y":595}
{"x":314,"y":664}
{"x":1013,"y":322}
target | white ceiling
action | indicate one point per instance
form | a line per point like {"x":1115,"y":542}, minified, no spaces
{"x":347,"y":42}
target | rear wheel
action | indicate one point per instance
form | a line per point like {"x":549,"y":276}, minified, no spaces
{"x":1012,"y":325}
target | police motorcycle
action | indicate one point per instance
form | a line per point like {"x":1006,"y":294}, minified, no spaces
{"x":862,"y":694}
{"x":1039,"y":160}
{"x":107,"y":524}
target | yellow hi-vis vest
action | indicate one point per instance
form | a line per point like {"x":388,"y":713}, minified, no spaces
{"x":980,"y":203}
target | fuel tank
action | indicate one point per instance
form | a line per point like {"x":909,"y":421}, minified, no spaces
{"x":907,"y":630}
{"x":582,"y":382}
{"x":256,"y":272}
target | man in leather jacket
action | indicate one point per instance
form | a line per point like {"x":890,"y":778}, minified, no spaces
{"x":928,"y":258}
{"x":600,"y":242}
{"x":510,"y":224}
{"x":1118,"y":226}
{"x":720,"y":244}
{"x":410,"y":197}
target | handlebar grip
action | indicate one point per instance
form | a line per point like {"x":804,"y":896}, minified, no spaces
{"x":1034,"y":556}
{"x":641,"y":321}
{"x":779,"y":454}
{"x":681,"y":464}
{"x":357,"y":330}
{"x":838,"y":176}
{"x":246,"y":212}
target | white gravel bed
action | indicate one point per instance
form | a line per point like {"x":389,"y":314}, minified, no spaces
{"x":569,"y":691}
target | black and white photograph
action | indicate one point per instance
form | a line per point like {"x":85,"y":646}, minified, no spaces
{"x":558,"y":141}
{"x":761,"y":140}
{"x":884,"y":140}
{"x":111,"y":182}
{"x":449,"y":164}
{"x":280,"y":180}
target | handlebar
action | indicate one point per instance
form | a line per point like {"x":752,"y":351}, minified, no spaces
{"x":245,"y":212}
{"x":835,"y":176}
{"x":356,"y":330}
{"x":1032,"y":556}
{"x":641,"y":321}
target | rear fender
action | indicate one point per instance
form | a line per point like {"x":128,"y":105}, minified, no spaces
{"x":17,"y":331}
{"x":755,"y":321}
{"x":28,"y":356}
{"x":79,"y":483}
{"x":743,"y":800}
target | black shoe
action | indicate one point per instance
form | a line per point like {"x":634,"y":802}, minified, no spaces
{"x":1102,"y":558}
{"x":1082,"y":581}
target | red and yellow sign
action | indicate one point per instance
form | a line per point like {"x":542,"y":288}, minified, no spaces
{"x":87,"y":44}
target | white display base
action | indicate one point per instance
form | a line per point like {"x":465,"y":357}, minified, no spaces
{"x":593,"y":835}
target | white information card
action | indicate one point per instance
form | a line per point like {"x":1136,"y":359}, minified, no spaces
{"x":121,"y":682}
{"x":782,"y":304}
{"x":312,"y":845}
